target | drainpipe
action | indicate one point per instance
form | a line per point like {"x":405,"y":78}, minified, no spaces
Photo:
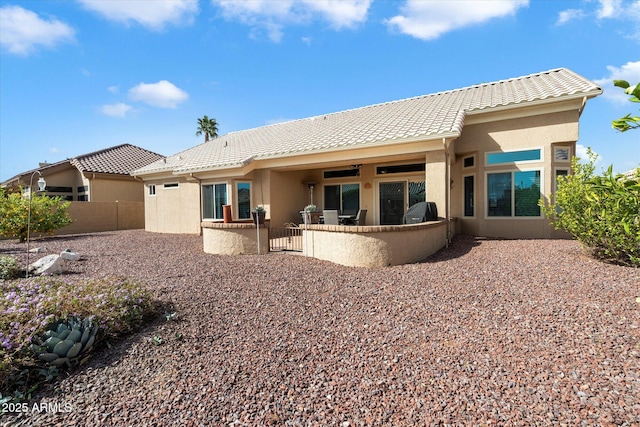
{"x":581,"y":109}
{"x":447,"y":190}
{"x":199,"y":196}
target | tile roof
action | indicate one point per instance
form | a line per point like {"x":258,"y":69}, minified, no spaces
{"x":431,"y":116}
{"x":120,"y":160}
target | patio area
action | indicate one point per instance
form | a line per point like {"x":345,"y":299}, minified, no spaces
{"x":354,"y":246}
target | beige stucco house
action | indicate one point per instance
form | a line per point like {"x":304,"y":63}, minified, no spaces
{"x":484,"y":154}
{"x":101,"y":178}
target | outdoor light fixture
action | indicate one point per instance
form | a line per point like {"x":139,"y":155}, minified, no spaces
{"x":311,"y":186}
{"x":42,"y":184}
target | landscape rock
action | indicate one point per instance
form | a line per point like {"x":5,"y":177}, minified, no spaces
{"x":50,"y":264}
{"x":69,"y":256}
{"x":53,"y":264}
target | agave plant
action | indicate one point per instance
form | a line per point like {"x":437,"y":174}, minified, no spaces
{"x":64,"y":341}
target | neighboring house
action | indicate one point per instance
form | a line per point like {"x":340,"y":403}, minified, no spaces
{"x":101,"y":176}
{"x":484,"y":154}
{"x":103,"y":194}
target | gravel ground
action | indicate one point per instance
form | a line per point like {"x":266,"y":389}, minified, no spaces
{"x":486,"y":332}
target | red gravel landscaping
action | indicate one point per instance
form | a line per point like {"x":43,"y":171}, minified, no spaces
{"x":485,"y":332}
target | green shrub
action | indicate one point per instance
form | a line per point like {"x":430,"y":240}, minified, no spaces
{"x":601,"y":211}
{"x":8,"y":267}
{"x":47,"y":214}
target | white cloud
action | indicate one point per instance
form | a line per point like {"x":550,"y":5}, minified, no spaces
{"x":428,"y":20}
{"x":113,"y":89}
{"x":569,"y":15}
{"x":22,"y":31}
{"x":340,"y":13}
{"x":163,"y":94}
{"x":271,"y":16}
{"x":629,"y":72}
{"x":151,"y":14}
{"x":116,"y":110}
{"x":608,"y":8}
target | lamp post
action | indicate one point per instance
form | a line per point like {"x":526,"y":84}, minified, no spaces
{"x":42,"y":184}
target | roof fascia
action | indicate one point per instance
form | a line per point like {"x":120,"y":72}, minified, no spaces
{"x":313,"y":159}
{"x":533,"y":108}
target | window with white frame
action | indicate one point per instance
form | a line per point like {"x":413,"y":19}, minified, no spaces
{"x":214,"y":196}
{"x":152,"y":189}
{"x":469,"y":195}
{"x":170,"y":185}
{"x":502,"y":157}
{"x":469,"y":162}
{"x":513,"y":194}
{"x":243,"y":196}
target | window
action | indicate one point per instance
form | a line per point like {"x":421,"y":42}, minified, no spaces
{"x":513,"y":194}
{"x":514,"y":156}
{"x":243,"y":194}
{"x":83,"y":198}
{"x":416,"y":167}
{"x":469,"y":162}
{"x":561,"y":154}
{"x":343,"y":197}
{"x":559,"y":173}
{"x":152,"y":189}
{"x":53,"y":189}
{"x":171,"y":185}
{"x":83,"y":189}
{"x":214,"y":196}
{"x":469,"y":195}
{"x":342,"y":173}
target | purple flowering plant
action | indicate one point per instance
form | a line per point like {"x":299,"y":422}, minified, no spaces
{"x":118,"y":305}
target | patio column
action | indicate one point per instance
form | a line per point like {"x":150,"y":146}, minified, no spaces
{"x":436,"y":180}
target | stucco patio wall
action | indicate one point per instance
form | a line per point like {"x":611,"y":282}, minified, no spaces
{"x":375,"y":246}
{"x":234,"y":238}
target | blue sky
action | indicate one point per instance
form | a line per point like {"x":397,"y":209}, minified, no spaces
{"x":79,"y":76}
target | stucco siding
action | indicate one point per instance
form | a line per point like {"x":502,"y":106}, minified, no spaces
{"x":544,"y":131}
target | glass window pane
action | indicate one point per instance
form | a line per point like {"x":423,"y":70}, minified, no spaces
{"x":207,"y":201}
{"x":513,"y":156}
{"x":499,"y":194}
{"x":244,"y":200}
{"x":527,"y":193}
{"x":468,"y":162}
{"x":416,"y":192}
{"x":332,"y":197}
{"x":221,"y":199}
{"x":468,"y":196}
{"x":392,"y":202}
{"x":350,"y":198}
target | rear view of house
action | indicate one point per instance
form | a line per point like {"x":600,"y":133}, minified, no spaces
{"x":483,"y":154}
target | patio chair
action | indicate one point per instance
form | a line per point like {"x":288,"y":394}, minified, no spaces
{"x":360,"y":218}
{"x":330,"y":217}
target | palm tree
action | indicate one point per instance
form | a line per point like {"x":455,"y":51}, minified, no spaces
{"x":207,"y":126}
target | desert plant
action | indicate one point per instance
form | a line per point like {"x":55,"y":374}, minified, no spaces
{"x":65,"y":341}
{"x":8,"y":267}
{"x":601,"y":211}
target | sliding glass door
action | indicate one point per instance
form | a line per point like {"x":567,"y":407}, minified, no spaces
{"x":395,"y":197}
